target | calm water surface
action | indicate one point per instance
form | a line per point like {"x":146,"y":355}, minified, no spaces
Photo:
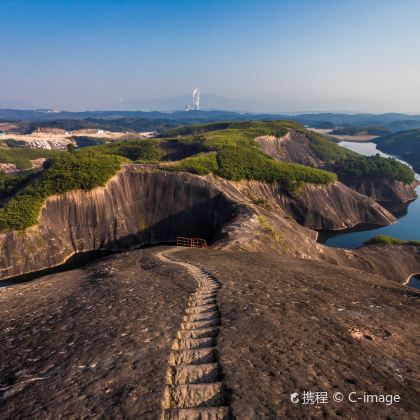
{"x":407,"y":226}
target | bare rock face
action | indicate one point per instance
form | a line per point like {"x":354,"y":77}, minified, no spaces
{"x":10,"y":168}
{"x":143,"y":206}
{"x":135,"y":208}
{"x":295,"y":147}
{"x":49,"y":130}
{"x":333,"y":206}
{"x":385,"y":190}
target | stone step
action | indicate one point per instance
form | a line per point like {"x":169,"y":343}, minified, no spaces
{"x":200,"y":309}
{"x":202,"y":301}
{"x":202,"y":316}
{"x":203,"y":294}
{"x":193,"y":343}
{"x":199,"y":332}
{"x":192,"y":356}
{"x":200,"y":324}
{"x":193,"y":395}
{"x":209,"y":413}
{"x":193,"y":374}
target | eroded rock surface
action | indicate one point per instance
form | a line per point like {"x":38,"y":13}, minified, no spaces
{"x":95,"y":342}
{"x":291,"y":325}
{"x":91,"y":342}
{"x":295,"y":147}
{"x":142,"y":206}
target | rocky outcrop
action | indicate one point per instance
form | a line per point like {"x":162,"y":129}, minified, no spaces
{"x":333,"y":206}
{"x":10,"y":168}
{"x":292,"y":147}
{"x":137,"y":207}
{"x":383,"y":190}
{"x":49,"y":130}
{"x":142,"y":206}
{"x":296,"y":147}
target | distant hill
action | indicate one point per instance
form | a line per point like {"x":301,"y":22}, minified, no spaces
{"x":404,"y":125}
{"x":312,"y":119}
{"x":378,"y":124}
{"x":405,"y":144}
{"x":357,"y":131}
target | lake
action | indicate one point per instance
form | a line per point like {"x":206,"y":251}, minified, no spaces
{"x":407,"y":226}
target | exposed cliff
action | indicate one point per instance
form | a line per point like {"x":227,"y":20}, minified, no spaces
{"x":135,"y":208}
{"x":333,"y":206}
{"x":296,"y":147}
{"x":383,"y":190}
{"x":142,"y":205}
{"x":292,"y":147}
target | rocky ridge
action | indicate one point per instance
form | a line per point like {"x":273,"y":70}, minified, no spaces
{"x":143,"y":206}
{"x":296,"y":147}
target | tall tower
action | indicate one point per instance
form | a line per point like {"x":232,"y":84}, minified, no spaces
{"x":196,"y":99}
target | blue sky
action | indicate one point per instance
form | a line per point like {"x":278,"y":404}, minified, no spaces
{"x":247,"y":55}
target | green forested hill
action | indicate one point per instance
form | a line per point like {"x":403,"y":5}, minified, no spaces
{"x":405,"y":144}
{"x":226,"y":149}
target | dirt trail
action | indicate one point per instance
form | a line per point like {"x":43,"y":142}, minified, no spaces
{"x":194,"y":388}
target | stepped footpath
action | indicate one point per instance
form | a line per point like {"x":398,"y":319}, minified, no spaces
{"x":194,"y":388}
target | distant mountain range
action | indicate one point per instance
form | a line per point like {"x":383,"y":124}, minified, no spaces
{"x":392,"y":121}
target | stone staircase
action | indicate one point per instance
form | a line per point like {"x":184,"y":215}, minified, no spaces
{"x":194,"y":388}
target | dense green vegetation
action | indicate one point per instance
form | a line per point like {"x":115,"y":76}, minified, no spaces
{"x":247,"y":130}
{"x":85,"y":141}
{"x":21,"y":157}
{"x":200,"y":164}
{"x":136,"y":150}
{"x":11,"y":183}
{"x":67,"y":171}
{"x":225,"y":149}
{"x":348,"y":164}
{"x":390,"y":240}
{"x":229,"y":151}
{"x":405,"y":144}
{"x":326,"y":149}
{"x":116,"y":124}
{"x":237,"y":163}
{"x":373,"y":167}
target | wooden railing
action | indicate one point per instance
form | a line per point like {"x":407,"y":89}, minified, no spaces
{"x":191,"y":242}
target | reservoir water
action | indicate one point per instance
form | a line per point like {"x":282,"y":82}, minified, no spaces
{"x":407,"y":226}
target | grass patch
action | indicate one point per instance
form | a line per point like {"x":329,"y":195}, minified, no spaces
{"x":65,"y":172}
{"x":141,"y":151}
{"x":274,"y":233}
{"x":238,"y":163}
{"x":390,"y":240}
{"x":263,"y":203}
{"x":200,"y":164}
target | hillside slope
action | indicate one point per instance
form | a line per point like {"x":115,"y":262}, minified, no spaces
{"x":373,"y":177}
{"x":405,"y":144}
{"x":143,"y":206}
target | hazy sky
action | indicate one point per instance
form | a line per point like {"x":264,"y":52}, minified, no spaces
{"x":258,"y":55}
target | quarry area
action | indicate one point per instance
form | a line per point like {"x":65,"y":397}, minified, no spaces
{"x":55,"y":138}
